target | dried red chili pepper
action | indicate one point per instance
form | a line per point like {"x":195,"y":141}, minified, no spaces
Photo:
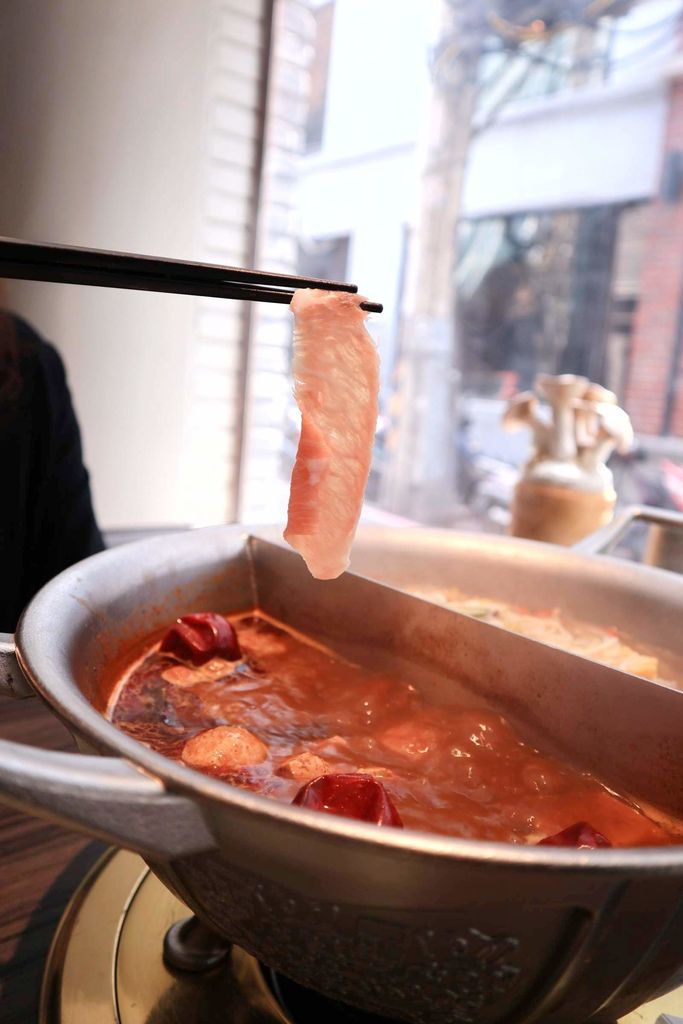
{"x":199,"y":637}
{"x":351,"y":796}
{"x":580,"y":836}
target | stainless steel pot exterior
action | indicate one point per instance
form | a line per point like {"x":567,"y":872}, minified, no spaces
{"x":422,"y":928}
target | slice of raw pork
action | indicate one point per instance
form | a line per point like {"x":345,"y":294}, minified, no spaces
{"x":336,"y":384}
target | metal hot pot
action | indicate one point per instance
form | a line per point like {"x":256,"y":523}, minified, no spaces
{"x":413,"y":926}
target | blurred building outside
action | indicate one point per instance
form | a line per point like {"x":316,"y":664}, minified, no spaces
{"x":570,"y":231}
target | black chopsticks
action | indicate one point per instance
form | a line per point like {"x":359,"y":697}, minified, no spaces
{"x":71,"y":265}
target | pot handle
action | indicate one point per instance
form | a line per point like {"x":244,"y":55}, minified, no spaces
{"x":602,"y":540}
{"x":13,"y":682}
{"x":106,"y":797}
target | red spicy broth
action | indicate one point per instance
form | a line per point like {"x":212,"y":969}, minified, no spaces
{"x":289,"y":711}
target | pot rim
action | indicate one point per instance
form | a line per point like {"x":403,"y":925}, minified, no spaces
{"x":87,"y":721}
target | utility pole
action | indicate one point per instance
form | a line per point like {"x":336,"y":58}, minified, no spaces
{"x":420,"y":479}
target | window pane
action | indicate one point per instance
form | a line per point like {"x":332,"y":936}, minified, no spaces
{"x":508,"y":180}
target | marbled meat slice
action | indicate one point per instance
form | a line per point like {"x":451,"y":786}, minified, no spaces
{"x":336,"y":375}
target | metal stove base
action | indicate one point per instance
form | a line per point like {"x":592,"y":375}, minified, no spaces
{"x":105,"y":965}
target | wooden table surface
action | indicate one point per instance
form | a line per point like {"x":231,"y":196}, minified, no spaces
{"x":40,"y":866}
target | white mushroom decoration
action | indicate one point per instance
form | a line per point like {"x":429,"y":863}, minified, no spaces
{"x":574,"y":434}
{"x":587,"y":410}
{"x":614,"y":430}
{"x":522,"y":411}
{"x":561,"y":393}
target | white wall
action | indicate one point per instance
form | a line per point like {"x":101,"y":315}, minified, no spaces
{"x":110,"y":120}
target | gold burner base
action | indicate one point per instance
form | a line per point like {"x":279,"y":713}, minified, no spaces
{"x":105,"y":965}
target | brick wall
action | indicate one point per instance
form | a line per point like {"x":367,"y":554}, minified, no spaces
{"x":661,"y":293}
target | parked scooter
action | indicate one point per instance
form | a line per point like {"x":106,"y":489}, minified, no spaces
{"x":644,"y":479}
{"x":485,"y":483}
